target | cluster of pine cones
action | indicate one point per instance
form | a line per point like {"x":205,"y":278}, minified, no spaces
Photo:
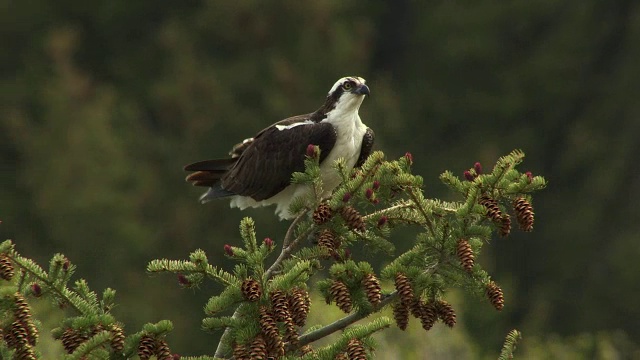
{"x":290,"y":309}
{"x":340,"y":294}
{"x":521,"y":207}
{"x":22,"y":333}
{"x":427,"y":312}
{"x":350,"y":215}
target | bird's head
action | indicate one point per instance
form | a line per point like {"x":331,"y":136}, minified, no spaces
{"x":346,"y":94}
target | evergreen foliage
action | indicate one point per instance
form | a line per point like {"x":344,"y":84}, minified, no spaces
{"x":270,"y":302}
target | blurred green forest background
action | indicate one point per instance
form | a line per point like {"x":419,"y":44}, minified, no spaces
{"x":103,"y":102}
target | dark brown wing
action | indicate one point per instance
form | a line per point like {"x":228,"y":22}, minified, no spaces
{"x":264,"y":167}
{"x":367,"y":146}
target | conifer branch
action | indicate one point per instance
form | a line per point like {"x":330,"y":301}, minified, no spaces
{"x":510,"y":344}
{"x":77,"y":303}
{"x":418,"y":205}
{"x":344,"y":322}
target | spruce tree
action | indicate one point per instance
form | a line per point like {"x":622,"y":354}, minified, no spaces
{"x":270,"y":302}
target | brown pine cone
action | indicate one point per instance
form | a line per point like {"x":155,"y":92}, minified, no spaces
{"x":6,"y":268}
{"x":322,"y":214}
{"x":403,"y":285}
{"x":427,"y":314}
{"x":117,"y":338}
{"x":22,"y":313}
{"x":372,"y":288}
{"x":446,"y":313}
{"x":493,"y":210}
{"x":328,"y":240}
{"x":465,"y":254}
{"x":19,"y":336}
{"x":251,"y":289}
{"x":524,"y":214}
{"x":163,"y":352}
{"x":353,"y":218}
{"x":32,"y":333}
{"x":25,"y":353}
{"x":505,"y":225}
{"x":240,"y":351}
{"x":401,"y":315}
{"x":270,"y":331}
{"x":258,"y":349}
{"x":280,"y":305}
{"x":495,"y":295}
{"x":290,"y":334}
{"x":306,"y":350}
{"x":146,"y":347}
{"x":299,"y":303}
{"x":71,"y":339}
{"x":340,"y":294}
{"x":355,"y":350}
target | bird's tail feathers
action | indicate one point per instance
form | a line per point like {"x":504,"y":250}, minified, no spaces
{"x":215,"y":192}
{"x":208,"y":172}
{"x":211,"y":165}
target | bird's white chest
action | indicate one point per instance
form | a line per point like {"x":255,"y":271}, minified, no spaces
{"x":348,"y":145}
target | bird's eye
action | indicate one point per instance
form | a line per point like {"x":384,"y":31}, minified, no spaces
{"x":347,"y":86}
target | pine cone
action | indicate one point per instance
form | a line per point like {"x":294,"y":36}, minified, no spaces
{"x":505,"y":225}
{"x":32,"y":333}
{"x":524,"y":214}
{"x":403,"y":285}
{"x":353,"y":218}
{"x":280,"y":306}
{"x":22,"y":313}
{"x":6,"y":268}
{"x":146,"y":347}
{"x":117,"y":338}
{"x":495,"y":295}
{"x":340,"y":294}
{"x":240,"y":351}
{"x":465,"y":254}
{"x":493,"y":210}
{"x":25,"y":353}
{"x":290,"y":334}
{"x":163,"y":351}
{"x":306,"y":350}
{"x":258,"y":349}
{"x":355,"y":350}
{"x":342,"y":356}
{"x":401,"y":315}
{"x":251,"y":289}
{"x":322,"y":214}
{"x":372,"y":288}
{"x":446,"y":313}
{"x":71,"y":339}
{"x":270,"y":331}
{"x":328,"y":240}
{"x":299,"y":303}
{"x":426,"y":314}
{"x":19,"y":335}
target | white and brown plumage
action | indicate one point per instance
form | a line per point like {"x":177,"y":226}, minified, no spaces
{"x":258,"y":173}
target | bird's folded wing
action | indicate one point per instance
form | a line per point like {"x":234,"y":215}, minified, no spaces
{"x":265,"y":167}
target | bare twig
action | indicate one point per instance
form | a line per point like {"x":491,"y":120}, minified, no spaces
{"x":288,"y":244}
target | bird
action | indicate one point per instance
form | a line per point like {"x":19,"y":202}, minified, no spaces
{"x":259,"y":169}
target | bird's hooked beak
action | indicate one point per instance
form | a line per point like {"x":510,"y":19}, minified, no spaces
{"x":362,"y":90}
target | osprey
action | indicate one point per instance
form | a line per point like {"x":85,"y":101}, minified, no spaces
{"x":258,"y":173}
